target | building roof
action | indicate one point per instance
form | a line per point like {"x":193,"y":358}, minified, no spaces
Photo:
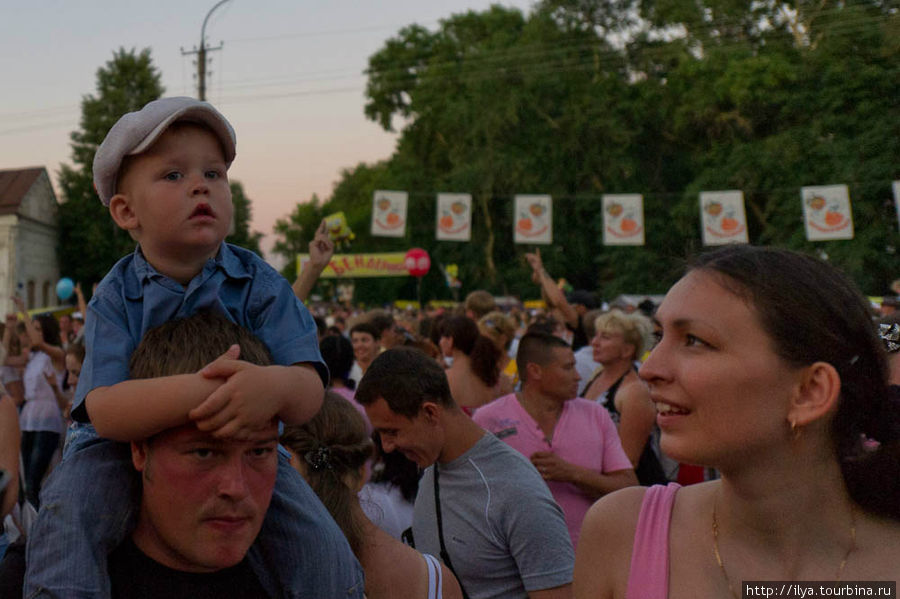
{"x":14,"y":184}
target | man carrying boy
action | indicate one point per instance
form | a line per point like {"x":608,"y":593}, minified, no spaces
{"x":162,"y":171}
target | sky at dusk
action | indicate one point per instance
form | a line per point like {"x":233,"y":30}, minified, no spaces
{"x":289,"y":78}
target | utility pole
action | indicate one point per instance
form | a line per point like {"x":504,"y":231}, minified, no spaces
{"x":201,"y":54}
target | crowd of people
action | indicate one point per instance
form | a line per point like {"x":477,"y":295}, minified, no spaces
{"x":197,"y":431}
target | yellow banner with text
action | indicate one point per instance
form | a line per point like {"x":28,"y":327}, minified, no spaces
{"x":344,"y":266}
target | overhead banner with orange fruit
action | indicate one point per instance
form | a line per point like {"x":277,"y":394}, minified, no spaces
{"x":389,"y":213}
{"x":826,"y":212}
{"x":722,"y":217}
{"x":533,"y":219}
{"x":623,"y":219}
{"x":454,"y":216}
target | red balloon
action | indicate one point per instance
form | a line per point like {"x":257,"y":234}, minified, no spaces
{"x":417,"y":262}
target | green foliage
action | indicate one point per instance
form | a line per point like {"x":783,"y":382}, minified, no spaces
{"x":660,"y":97}
{"x":243,"y":212}
{"x":89,"y":241}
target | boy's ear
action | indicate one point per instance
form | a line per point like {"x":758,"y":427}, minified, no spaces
{"x":122,"y":213}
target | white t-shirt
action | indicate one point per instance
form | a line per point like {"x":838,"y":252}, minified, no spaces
{"x":40,"y":412}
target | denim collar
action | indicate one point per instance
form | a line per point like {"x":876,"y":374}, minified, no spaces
{"x":143,"y":271}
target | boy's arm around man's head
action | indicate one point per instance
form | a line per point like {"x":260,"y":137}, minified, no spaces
{"x":139,"y":408}
{"x":254,"y":394}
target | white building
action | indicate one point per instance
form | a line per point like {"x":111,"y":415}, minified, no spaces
{"x":28,"y":238}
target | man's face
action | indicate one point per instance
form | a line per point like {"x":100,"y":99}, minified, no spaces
{"x":178,"y":195}
{"x":65,"y":323}
{"x":203,"y":499}
{"x":364,"y":347}
{"x":558,"y":377}
{"x":420,"y":438}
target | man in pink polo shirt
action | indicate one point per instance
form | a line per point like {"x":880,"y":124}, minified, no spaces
{"x":571,"y":441}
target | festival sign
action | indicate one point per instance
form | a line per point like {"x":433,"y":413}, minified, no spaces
{"x":342,"y":266}
{"x":454,"y":217}
{"x":533,"y":219}
{"x":722,"y":217}
{"x":826,"y":212}
{"x":897,"y":200}
{"x":623,"y":219}
{"x":389,"y":213}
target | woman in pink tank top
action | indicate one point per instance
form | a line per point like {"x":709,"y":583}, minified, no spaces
{"x":768,"y":368}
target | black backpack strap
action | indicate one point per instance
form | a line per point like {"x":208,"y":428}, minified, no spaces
{"x":440,"y":524}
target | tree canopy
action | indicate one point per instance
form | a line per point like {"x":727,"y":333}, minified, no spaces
{"x":660,"y":97}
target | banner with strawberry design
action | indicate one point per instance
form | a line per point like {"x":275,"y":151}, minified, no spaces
{"x":897,"y":200}
{"x":454,"y":217}
{"x":623,"y":219}
{"x":533,"y":219}
{"x":722,"y":217}
{"x":826,"y":212}
{"x":389,"y":213}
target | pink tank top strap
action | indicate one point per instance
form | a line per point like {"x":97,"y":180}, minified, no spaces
{"x":649,"y":574}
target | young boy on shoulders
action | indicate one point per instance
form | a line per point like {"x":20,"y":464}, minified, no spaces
{"x":162,"y":171}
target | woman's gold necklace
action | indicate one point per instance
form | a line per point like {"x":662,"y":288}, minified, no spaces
{"x":715,"y":531}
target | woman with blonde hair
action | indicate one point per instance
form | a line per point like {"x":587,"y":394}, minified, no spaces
{"x":618,"y":344}
{"x":330,"y":451}
{"x":767,"y":368}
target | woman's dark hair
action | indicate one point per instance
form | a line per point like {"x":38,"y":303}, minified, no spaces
{"x":337,"y":353}
{"x":431,"y":328}
{"x":396,"y":469}
{"x":814,"y":313}
{"x":480,"y":349}
{"x":332,"y":446}
{"x":49,"y":329}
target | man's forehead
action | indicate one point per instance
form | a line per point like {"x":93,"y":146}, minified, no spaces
{"x":563,"y":354}
{"x":380,"y":411}
{"x":190,"y":434}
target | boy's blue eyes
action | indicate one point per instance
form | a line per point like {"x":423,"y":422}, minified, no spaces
{"x":176,"y":176}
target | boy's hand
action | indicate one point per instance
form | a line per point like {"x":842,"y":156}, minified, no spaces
{"x":246,"y":403}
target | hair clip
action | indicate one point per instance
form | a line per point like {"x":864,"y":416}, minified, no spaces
{"x":890,"y":335}
{"x":319,"y":458}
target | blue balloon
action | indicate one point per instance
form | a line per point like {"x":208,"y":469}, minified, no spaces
{"x":64,"y":288}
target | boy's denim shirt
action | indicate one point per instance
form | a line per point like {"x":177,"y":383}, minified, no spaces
{"x":133,"y":298}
